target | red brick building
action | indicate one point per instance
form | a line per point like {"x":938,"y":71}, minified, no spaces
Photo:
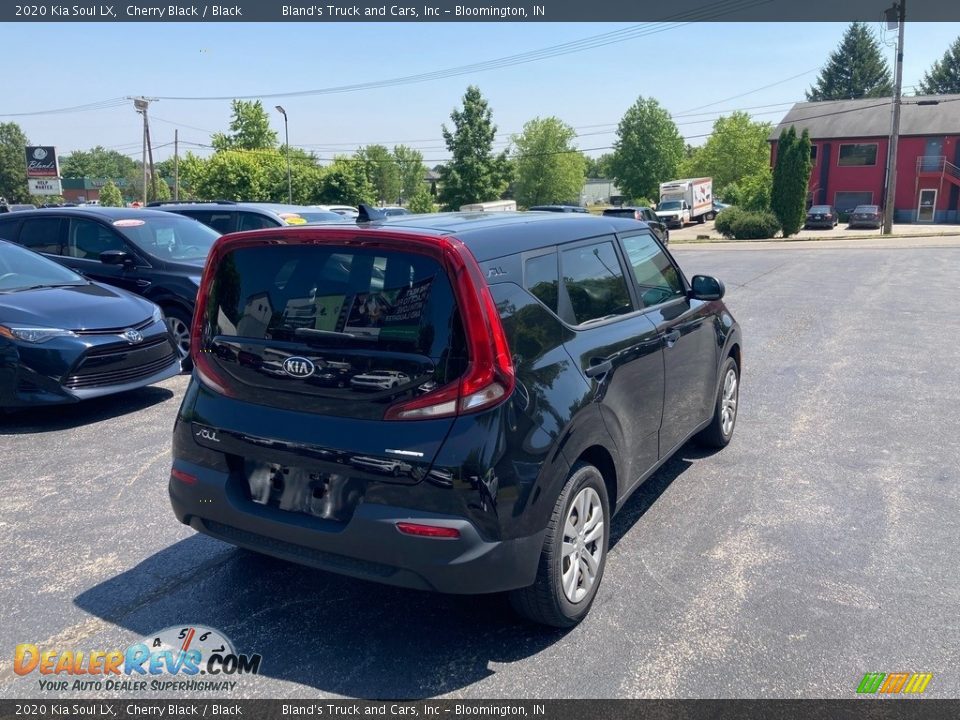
{"x":850,"y":139}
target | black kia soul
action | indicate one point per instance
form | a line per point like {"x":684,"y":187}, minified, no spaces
{"x":449,"y":402}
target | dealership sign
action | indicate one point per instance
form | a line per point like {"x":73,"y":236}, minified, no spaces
{"x":44,"y":186}
{"x":42,"y":161}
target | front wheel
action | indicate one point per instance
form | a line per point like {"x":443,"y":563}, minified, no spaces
{"x":718,"y":433}
{"x":573,"y":556}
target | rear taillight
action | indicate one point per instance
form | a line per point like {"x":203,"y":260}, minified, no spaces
{"x":489,"y":377}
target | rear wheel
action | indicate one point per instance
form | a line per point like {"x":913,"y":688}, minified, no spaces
{"x":718,"y":433}
{"x":574,"y":553}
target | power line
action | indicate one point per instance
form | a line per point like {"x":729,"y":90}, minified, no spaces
{"x":707,"y":12}
{"x":100,"y":105}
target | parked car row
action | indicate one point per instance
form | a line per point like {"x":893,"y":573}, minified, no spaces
{"x":827,"y":216}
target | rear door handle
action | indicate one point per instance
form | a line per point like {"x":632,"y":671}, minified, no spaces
{"x":671,"y":338}
{"x":598,"y":366}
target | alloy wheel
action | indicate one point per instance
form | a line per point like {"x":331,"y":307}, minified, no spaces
{"x":728,"y":402}
{"x":181,"y":335}
{"x":582,"y":548}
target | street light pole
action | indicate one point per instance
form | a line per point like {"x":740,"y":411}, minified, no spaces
{"x":286,"y":139}
{"x":891,"y":188}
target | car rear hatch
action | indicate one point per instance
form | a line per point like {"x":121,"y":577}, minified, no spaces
{"x":343,"y":355}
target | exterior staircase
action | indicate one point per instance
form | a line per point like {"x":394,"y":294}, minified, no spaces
{"x":938,"y":166}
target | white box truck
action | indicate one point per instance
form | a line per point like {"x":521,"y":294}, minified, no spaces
{"x":683,"y":201}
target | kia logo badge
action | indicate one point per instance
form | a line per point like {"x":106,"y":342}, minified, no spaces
{"x":298,"y":367}
{"x":132,"y":336}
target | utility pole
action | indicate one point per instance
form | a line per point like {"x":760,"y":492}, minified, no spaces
{"x":176,"y":165}
{"x":899,"y":10}
{"x":141,"y":104}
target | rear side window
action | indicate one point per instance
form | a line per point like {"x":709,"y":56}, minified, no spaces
{"x":329,"y":297}
{"x":657,"y":278}
{"x":41,"y":235}
{"x":594,"y":282}
{"x":253,"y":221}
{"x":222,"y":222}
{"x":87,"y":239}
{"x":541,"y":277}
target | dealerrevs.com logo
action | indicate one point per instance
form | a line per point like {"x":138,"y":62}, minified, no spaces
{"x":175,"y":659}
{"x":894,"y":683}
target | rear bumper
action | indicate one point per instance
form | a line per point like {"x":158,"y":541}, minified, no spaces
{"x":368,"y":546}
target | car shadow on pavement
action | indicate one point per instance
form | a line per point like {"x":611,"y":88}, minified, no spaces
{"x":652,"y":488}
{"x":64,"y":417}
{"x":336,"y":634}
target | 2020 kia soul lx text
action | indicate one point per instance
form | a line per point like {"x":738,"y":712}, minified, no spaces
{"x":541,"y":367}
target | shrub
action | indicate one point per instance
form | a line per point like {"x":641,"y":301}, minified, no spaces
{"x":421,"y":202}
{"x":746,"y":224}
{"x":110,"y":195}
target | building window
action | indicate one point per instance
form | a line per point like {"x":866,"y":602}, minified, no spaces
{"x":857,"y":155}
{"x":813,"y":154}
{"x":847,"y":201}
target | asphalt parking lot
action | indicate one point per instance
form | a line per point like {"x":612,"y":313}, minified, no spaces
{"x":820,"y":545}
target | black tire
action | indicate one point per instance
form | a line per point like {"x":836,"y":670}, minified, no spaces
{"x":545,"y":602}
{"x":714,"y":435}
{"x":710,"y":216}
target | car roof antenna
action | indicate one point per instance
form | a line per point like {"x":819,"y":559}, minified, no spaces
{"x":369,"y":214}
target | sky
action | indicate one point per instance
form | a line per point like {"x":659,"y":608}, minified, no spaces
{"x":698,"y":72}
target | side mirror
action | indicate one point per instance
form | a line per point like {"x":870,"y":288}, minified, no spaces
{"x":116,"y":257}
{"x":705,"y":287}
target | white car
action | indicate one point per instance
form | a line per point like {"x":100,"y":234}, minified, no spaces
{"x":379,"y":379}
{"x":345,"y":210}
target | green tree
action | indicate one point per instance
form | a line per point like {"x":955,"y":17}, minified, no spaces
{"x":345,"y":182}
{"x":791,"y":179}
{"x":110,"y":195}
{"x":475,"y":173}
{"x":382,"y":172}
{"x":241,"y":175}
{"x":97,"y":162}
{"x":749,"y":193}
{"x":421,"y":201}
{"x":943,"y":78}
{"x":648,"y":149}
{"x":249,"y":129}
{"x":856,"y":69}
{"x":158,"y":191}
{"x":600,"y":167}
{"x":412,"y":170}
{"x":737,"y":148}
{"x":306,"y":177}
{"x":547,"y":168}
{"x":13,"y":163}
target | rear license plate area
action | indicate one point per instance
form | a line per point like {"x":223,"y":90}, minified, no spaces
{"x":330,"y":496}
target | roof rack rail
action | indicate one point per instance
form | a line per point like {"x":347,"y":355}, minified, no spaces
{"x":158,"y":203}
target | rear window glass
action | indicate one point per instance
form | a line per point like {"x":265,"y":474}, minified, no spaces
{"x":542,"y":278}
{"x":332,"y":297}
